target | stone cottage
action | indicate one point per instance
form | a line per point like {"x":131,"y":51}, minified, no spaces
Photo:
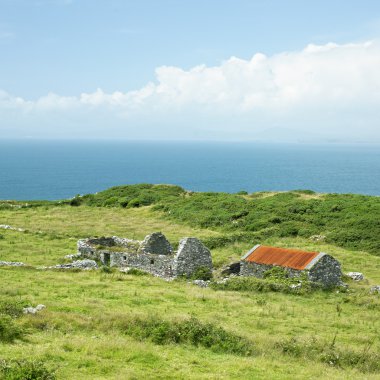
{"x":318,"y":266}
{"x":154,"y":254}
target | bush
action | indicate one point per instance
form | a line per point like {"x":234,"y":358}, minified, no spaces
{"x":76,"y":201}
{"x":202,"y":273}
{"x":9,"y":330}
{"x":137,"y":272}
{"x":190,"y":331}
{"x":12,"y":308}
{"x":348,"y":220}
{"x":25,"y":370}
{"x":269,"y":284}
{"x":329,"y":353}
{"x":106,"y":269}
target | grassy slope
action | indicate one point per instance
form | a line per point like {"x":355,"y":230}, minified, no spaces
{"x":78,"y":332}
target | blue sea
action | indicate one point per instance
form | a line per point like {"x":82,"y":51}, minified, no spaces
{"x":32,"y":169}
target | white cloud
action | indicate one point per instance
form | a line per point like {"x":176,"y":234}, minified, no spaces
{"x":332,"y":90}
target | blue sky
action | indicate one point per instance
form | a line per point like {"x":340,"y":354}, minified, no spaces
{"x":102,"y":48}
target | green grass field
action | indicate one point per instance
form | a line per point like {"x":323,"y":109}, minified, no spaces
{"x":88,"y":330}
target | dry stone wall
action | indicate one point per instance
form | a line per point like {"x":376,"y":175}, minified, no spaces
{"x":325,"y":271}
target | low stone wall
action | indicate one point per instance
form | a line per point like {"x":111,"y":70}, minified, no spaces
{"x":160,"y":265}
{"x":257,"y":270}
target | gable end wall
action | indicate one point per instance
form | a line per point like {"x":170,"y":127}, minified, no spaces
{"x":326,"y":271}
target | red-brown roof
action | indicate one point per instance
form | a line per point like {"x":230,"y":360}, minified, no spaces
{"x":290,"y":258}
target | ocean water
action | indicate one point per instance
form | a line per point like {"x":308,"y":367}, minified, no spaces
{"x":61,"y":169}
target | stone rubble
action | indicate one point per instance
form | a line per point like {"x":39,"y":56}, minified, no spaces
{"x":85,"y":264}
{"x":375,"y":289}
{"x":201,"y":283}
{"x":73,"y":256}
{"x":33,"y":310}
{"x":7,"y":227}
{"x":11,"y":264}
{"x":317,"y":238}
{"x":356,"y":276}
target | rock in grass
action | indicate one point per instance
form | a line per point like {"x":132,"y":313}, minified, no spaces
{"x":11,"y":264}
{"x":201,"y":283}
{"x":7,"y":227}
{"x":85,"y":264}
{"x":33,"y":310}
{"x":73,"y":256}
{"x":356,"y":276}
{"x":375,"y":289}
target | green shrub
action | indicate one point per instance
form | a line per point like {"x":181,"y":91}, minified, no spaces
{"x":9,"y":330}
{"x":331,"y":354}
{"x":269,"y":284}
{"x":13,"y":308}
{"x":106,"y":269}
{"x":76,"y":201}
{"x":137,"y":272}
{"x":25,"y":370}
{"x":202,"y":273}
{"x":350,"y":221}
{"x":190,"y":331}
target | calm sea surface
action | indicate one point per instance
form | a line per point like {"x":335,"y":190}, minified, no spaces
{"x":54,"y":170}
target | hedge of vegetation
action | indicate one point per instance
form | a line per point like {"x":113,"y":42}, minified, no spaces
{"x":190,"y":331}
{"x":347,"y":220}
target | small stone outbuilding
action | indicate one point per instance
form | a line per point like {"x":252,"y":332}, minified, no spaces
{"x":154,"y":254}
{"x":318,"y":266}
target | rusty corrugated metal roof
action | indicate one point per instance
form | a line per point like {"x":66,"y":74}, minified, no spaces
{"x":290,"y":258}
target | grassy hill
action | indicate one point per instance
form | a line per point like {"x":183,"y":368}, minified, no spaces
{"x":111,"y":325}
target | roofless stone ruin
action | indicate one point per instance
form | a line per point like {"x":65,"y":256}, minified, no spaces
{"x":154,"y":254}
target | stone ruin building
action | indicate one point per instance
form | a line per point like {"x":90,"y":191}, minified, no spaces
{"x":318,"y":266}
{"x":154,"y":254}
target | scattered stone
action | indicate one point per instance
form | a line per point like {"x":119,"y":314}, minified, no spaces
{"x":85,"y":264}
{"x":7,"y":227}
{"x":223,"y":280}
{"x":33,"y":310}
{"x":356,"y":276}
{"x":375,"y":289}
{"x":11,"y":264}
{"x":73,"y":256}
{"x":157,"y":244}
{"x":317,"y":238}
{"x":296,"y":286}
{"x":201,"y":283}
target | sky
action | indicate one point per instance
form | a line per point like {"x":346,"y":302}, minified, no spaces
{"x":264,"y":70}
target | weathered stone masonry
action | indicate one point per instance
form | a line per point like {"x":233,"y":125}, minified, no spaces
{"x":154,"y":254}
{"x":318,"y":266}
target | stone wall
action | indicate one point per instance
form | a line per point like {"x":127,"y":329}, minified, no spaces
{"x":154,"y":254}
{"x":191,"y":255}
{"x":326,"y":271}
{"x":248,"y":268}
{"x":160,"y":265}
{"x":156,"y":243}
